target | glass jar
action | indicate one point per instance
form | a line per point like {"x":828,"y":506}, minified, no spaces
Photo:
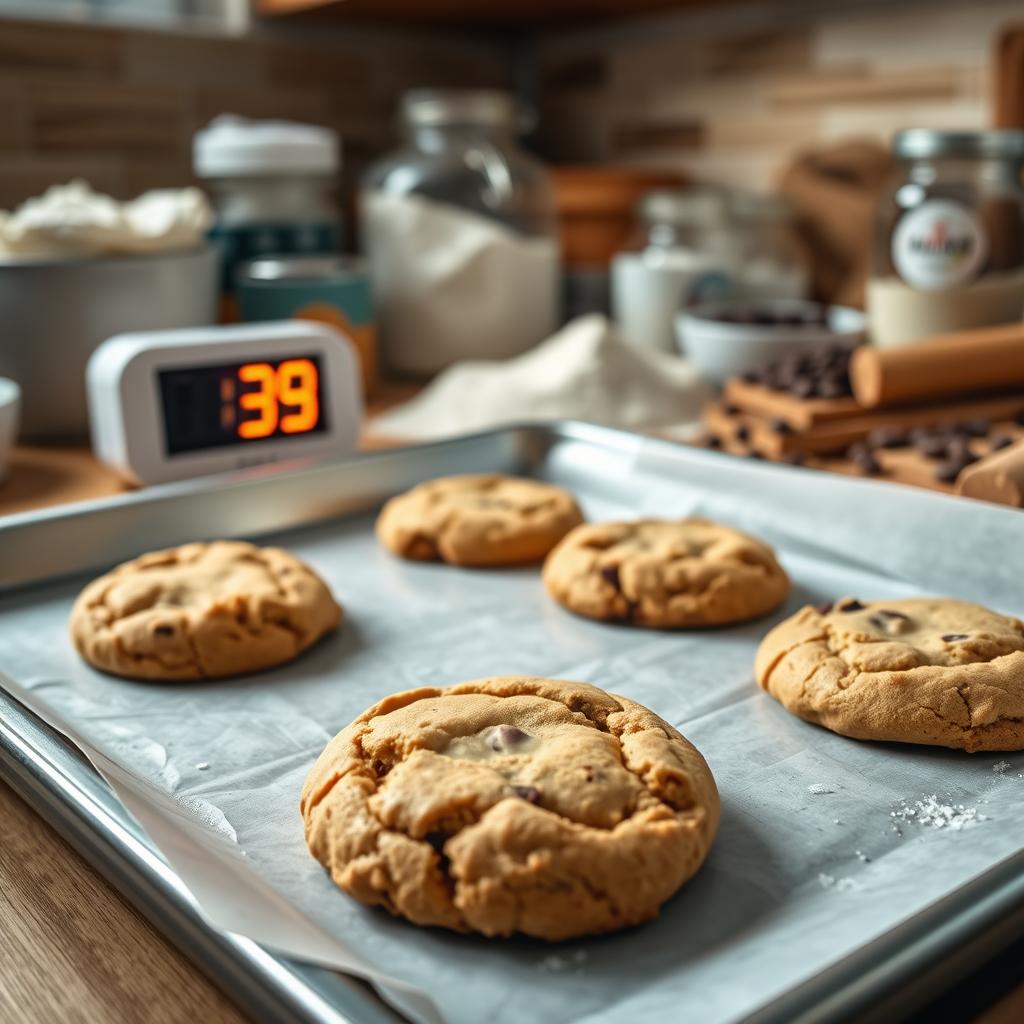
{"x":274,"y":187}
{"x":771,"y":262}
{"x":949,"y":238}
{"x":460,"y":230}
{"x":681,"y":253}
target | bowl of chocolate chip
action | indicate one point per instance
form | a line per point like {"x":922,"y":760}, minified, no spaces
{"x":729,"y":339}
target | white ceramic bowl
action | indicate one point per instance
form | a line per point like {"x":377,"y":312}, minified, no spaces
{"x":10,"y":405}
{"x":723,"y":348}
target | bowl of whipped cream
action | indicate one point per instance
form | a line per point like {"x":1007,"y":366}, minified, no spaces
{"x":77,"y":267}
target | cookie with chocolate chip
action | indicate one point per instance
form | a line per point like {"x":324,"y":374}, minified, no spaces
{"x":202,"y":611}
{"x":920,"y":670}
{"x":512,"y":804}
{"x":478,"y":520}
{"x":665,"y":574}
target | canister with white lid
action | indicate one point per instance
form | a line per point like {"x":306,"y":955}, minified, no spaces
{"x":274,"y":186}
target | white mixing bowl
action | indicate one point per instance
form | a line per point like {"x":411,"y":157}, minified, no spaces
{"x":721,"y":348}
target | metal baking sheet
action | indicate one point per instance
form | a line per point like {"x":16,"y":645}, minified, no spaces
{"x":813,"y":902}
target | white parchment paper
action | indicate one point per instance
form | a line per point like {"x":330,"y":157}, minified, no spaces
{"x":809,"y":864}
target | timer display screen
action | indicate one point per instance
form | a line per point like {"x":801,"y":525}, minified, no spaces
{"x":241,"y":403}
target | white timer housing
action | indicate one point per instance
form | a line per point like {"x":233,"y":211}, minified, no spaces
{"x":126,"y":409}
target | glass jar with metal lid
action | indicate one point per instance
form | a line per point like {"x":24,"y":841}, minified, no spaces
{"x":680,"y":254}
{"x":949,"y":239}
{"x":771,"y":261}
{"x":460,"y":229}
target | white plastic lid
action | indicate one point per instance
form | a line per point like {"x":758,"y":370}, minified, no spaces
{"x":231,"y":145}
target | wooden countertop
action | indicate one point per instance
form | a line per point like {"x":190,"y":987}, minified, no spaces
{"x":73,"y":949}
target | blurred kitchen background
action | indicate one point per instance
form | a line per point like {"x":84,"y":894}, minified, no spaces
{"x":113,"y":90}
{"x":638,"y":157}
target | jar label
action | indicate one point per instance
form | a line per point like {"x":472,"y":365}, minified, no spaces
{"x":939,"y":244}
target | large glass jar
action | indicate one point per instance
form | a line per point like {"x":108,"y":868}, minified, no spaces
{"x":681,"y":253}
{"x":459,"y":227}
{"x":949,"y":239}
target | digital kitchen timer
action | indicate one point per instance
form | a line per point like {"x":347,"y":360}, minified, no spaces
{"x":169,"y":405}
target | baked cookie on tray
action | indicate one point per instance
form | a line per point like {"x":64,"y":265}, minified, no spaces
{"x":202,"y":611}
{"x":512,"y":804}
{"x":665,"y":574}
{"x":920,"y":670}
{"x":478,"y":520}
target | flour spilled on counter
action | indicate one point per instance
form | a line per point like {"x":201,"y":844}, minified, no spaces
{"x":1001,"y":767}
{"x":586,"y":371}
{"x":820,"y":788}
{"x":207,"y":815}
{"x":839,"y":884}
{"x":931,"y":812}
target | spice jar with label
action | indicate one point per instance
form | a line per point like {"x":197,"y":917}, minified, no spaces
{"x":949,"y":250}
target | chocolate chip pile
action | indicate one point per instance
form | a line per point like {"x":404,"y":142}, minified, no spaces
{"x":805,"y":316}
{"x":949,"y":444}
{"x":823,"y":373}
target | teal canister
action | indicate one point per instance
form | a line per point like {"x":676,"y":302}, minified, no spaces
{"x":334,"y":290}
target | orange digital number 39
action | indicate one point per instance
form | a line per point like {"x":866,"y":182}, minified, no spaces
{"x":294,"y":384}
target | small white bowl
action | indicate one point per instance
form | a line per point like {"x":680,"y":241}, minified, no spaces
{"x":724,"y":348}
{"x":10,"y":406}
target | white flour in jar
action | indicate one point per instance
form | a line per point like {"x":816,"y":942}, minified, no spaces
{"x":450,"y":285}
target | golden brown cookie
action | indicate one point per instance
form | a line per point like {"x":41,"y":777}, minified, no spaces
{"x":202,"y":611}
{"x":514,"y":804}
{"x":921,"y":670}
{"x":666,"y":574}
{"x":478,"y":520}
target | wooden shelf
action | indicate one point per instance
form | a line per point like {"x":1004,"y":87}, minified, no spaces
{"x":505,"y":14}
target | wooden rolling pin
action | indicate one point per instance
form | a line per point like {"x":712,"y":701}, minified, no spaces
{"x":981,"y":359}
{"x":998,"y":477}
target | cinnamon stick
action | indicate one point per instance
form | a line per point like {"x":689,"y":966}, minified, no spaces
{"x":981,"y":359}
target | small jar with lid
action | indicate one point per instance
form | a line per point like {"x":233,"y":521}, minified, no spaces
{"x":274,"y":186}
{"x":681,"y":253}
{"x":459,"y":226}
{"x":771,"y":262}
{"x":949,"y":239}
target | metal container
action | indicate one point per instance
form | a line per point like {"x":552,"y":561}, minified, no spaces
{"x":55,"y":312}
{"x":334,"y":290}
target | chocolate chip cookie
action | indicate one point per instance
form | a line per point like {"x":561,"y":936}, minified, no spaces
{"x":920,"y":670}
{"x":478,"y":520}
{"x":202,"y":611}
{"x":654,"y":572}
{"x":513,"y":804}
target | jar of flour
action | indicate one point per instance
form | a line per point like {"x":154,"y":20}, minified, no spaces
{"x":459,"y":228}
